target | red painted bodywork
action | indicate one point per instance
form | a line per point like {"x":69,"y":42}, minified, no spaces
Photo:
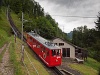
{"x":46,"y":56}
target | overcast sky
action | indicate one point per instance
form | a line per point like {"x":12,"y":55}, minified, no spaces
{"x":83,"y":8}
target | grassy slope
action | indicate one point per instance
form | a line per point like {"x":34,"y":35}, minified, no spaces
{"x":93,"y":63}
{"x":4,"y":28}
{"x":15,"y":57}
{"x":90,"y":67}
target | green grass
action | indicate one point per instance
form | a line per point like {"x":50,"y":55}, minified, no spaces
{"x":92,"y":63}
{"x":90,"y":67}
{"x":4,"y":24}
{"x":13,"y":59}
{"x":40,"y":68}
{"x":3,"y":38}
{"x":4,"y":27}
{"x":85,"y":70}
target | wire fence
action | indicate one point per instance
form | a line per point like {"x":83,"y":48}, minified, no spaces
{"x":26,"y":54}
{"x":26,"y":69}
{"x":31,"y":63}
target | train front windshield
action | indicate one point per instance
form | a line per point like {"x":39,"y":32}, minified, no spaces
{"x":56,"y":52}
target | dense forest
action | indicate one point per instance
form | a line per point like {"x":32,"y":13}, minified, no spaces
{"x":39,"y":20}
{"x":88,"y":39}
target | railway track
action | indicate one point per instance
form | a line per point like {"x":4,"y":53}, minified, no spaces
{"x":55,"y":70}
{"x":14,"y":28}
{"x":61,"y":71}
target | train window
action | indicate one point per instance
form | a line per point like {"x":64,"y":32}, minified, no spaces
{"x":38,"y":46}
{"x":33,"y":40}
{"x":47,"y":53}
{"x":58,"y":52}
{"x":55,"y":52}
{"x":30,"y":38}
{"x":43,"y":49}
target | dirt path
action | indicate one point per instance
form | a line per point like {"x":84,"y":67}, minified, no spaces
{"x":1,"y":49}
{"x":5,"y":66}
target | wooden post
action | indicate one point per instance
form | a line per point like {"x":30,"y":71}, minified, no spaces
{"x":22,"y":52}
{"x":15,"y":38}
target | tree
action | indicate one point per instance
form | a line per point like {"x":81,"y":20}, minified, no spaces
{"x":33,"y":11}
{"x":83,"y":37}
{"x":45,"y":27}
{"x":99,"y":71}
{"x":98,"y":23}
{"x":16,"y":6}
{"x":0,"y":4}
{"x":97,"y":50}
{"x":96,"y":46}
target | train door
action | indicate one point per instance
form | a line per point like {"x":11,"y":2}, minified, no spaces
{"x":38,"y":46}
{"x":43,"y":52}
{"x":30,"y":41}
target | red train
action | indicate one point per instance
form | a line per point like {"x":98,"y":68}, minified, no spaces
{"x":49,"y":53}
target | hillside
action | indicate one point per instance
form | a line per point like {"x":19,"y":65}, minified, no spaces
{"x":37,"y":19}
{"x":11,"y":52}
{"x":5,"y":30}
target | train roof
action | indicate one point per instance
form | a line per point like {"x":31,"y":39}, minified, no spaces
{"x":43,"y":41}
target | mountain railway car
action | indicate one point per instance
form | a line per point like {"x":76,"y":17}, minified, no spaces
{"x":47,"y":51}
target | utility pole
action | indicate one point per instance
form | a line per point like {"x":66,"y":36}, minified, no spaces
{"x":22,"y":26}
{"x":63,"y":31}
{"x":57,"y":32}
{"x":15,"y":37}
{"x":22,"y":52}
{"x":7,"y":13}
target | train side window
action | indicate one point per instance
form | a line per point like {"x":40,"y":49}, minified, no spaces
{"x":53,"y":52}
{"x":30,"y":38}
{"x":38,"y":45}
{"x":47,"y":53}
{"x":43,"y":49}
{"x":33,"y":40}
{"x":58,"y":52}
